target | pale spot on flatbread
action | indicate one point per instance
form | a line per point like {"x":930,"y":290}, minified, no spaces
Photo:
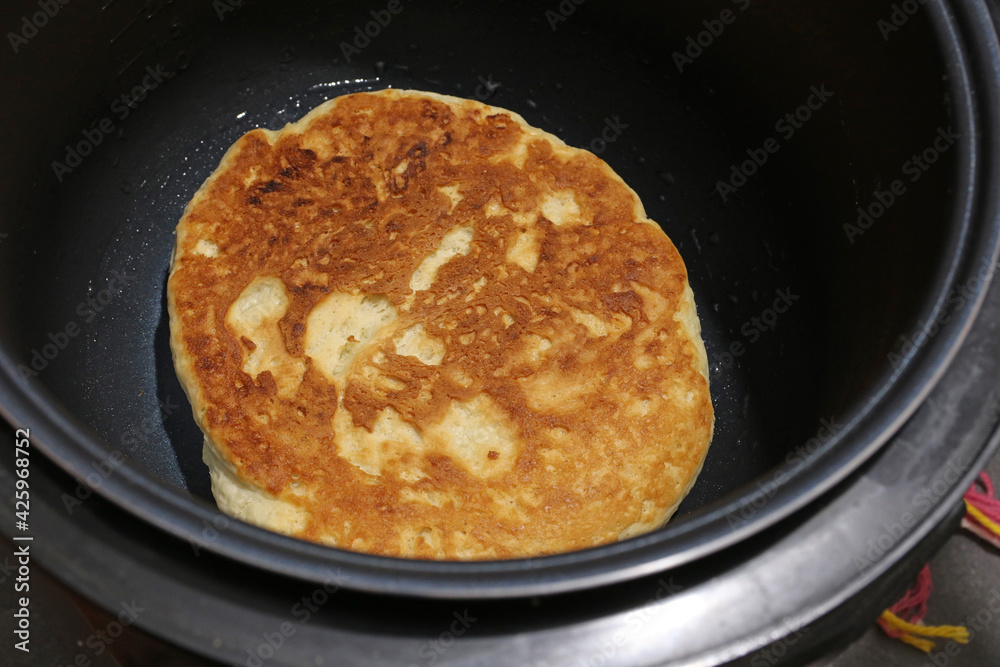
{"x":560,"y":208}
{"x":416,"y":343}
{"x":455,"y":243}
{"x":339,"y":325}
{"x":371,"y":451}
{"x":254,"y":316}
{"x":453,"y":194}
{"x":524,"y":250}
{"x":206,"y":248}
{"x":470,"y":430}
{"x":598,"y":327}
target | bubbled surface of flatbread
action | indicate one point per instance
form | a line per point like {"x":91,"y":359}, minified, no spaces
{"x":413,"y":325}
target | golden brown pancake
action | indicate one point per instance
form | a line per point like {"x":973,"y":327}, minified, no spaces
{"x":413,"y":325}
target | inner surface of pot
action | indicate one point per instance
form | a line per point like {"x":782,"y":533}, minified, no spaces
{"x":785,"y":150}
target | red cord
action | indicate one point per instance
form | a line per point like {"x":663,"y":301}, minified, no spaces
{"x":912,"y":607}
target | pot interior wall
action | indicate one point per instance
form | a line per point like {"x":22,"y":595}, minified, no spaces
{"x":89,"y":240}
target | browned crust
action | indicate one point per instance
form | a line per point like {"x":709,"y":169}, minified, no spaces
{"x":324,"y":211}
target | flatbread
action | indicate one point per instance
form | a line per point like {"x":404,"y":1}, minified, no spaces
{"x":413,"y":325}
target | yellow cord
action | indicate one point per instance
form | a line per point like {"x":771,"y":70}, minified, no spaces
{"x":913,"y":634}
{"x":982,"y":518}
{"x":925,"y":645}
{"x":957,"y":632}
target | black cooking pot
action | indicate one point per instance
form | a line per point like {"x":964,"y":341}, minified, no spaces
{"x":828,"y":172}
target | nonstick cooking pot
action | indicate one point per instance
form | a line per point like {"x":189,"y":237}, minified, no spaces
{"x":828,"y":173}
